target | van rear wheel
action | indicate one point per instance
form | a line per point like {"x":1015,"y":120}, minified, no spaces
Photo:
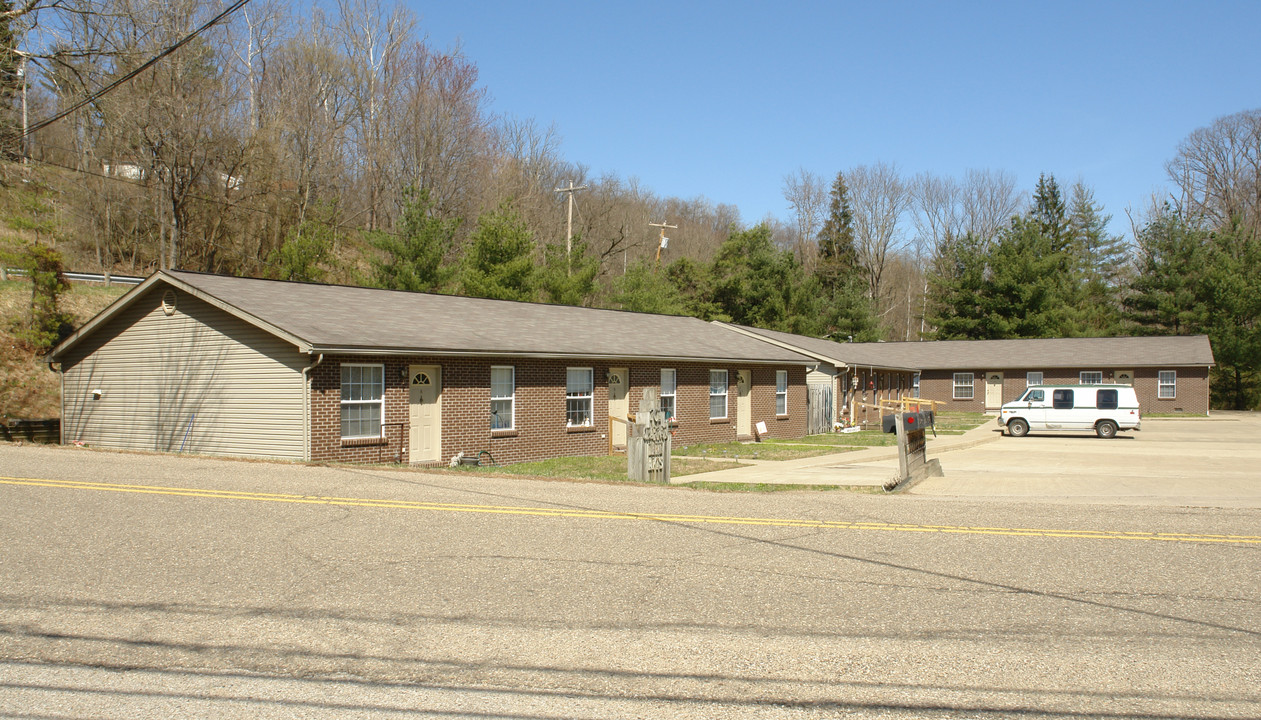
{"x":1017,"y":428}
{"x":1106,"y":429}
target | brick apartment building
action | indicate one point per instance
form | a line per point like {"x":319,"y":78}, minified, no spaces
{"x":239,"y":366}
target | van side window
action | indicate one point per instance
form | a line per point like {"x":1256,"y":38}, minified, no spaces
{"x":1035,"y":396}
{"x":1106,"y":400}
{"x":1062,"y":400}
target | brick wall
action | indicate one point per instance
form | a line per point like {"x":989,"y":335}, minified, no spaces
{"x":540,"y":430}
{"x":1191,"y":392}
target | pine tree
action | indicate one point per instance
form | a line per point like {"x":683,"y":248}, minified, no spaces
{"x":754,"y":281}
{"x":1169,"y":268}
{"x":838,"y":259}
{"x":643,"y":289}
{"x":958,"y":289}
{"x":1232,"y":299}
{"x":415,"y":258}
{"x":568,"y":275}
{"x":1103,"y":258}
{"x":499,"y":259}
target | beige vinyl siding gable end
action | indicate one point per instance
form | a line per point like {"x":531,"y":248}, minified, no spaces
{"x":198,"y":378}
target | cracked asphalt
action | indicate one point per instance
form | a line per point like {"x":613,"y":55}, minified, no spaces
{"x":153,"y":586}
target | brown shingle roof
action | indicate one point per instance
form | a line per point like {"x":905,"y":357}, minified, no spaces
{"x":1115,"y":352}
{"x":324,"y":318}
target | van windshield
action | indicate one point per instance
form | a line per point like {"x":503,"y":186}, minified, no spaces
{"x":1034,"y":396}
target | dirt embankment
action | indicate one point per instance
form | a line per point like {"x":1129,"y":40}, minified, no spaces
{"x":28,"y":389}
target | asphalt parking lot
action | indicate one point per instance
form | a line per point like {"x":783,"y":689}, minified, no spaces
{"x":1202,"y":461}
{"x":1214,"y":461}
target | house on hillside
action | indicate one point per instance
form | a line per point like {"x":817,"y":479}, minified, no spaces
{"x":1169,"y":374}
{"x":238,"y":366}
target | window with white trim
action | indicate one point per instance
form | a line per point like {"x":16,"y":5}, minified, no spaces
{"x":503,"y":392}
{"x":963,"y":386}
{"x":579,"y":386}
{"x":781,"y":392}
{"x":1033,"y":378}
{"x":362,"y":402}
{"x":1090,"y":377}
{"x":669,"y":387}
{"x":1167,"y":387}
{"x":717,"y":394}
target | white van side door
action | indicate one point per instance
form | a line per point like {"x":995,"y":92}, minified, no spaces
{"x":1060,"y":415}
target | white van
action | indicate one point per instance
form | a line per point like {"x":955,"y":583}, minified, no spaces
{"x":1105,"y":409}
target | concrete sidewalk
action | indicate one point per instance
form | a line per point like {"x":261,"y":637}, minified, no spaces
{"x":870,"y":466}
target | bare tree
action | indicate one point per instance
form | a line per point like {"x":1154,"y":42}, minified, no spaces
{"x":256,"y":31}
{"x":879,"y":198}
{"x":372,"y":43}
{"x":1217,"y":170}
{"x":989,"y":199}
{"x":807,"y":195}
{"x":445,"y":135}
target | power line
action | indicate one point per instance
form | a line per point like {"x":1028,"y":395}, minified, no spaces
{"x":148,"y":64}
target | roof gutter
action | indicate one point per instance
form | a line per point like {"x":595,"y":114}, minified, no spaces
{"x":375,"y":351}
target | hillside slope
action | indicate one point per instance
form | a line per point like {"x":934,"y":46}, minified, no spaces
{"x":28,"y":389}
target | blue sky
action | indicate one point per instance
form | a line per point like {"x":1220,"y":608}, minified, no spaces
{"x":723,"y":99}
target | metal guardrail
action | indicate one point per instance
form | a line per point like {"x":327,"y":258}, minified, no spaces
{"x":84,"y":277}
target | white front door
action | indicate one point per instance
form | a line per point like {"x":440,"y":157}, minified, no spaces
{"x":619,"y":385}
{"x":993,"y":390}
{"x":744,"y":404}
{"x":425,"y":413}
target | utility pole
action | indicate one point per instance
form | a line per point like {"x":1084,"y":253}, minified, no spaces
{"x":569,"y":224}
{"x":662,"y":240}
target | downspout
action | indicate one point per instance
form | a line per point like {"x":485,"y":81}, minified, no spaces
{"x":306,"y":406}
{"x":61,"y":386}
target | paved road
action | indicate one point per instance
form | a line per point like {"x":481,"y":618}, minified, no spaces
{"x":153,"y":587}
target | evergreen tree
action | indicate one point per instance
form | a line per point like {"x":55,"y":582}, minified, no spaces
{"x":415,"y":258}
{"x":302,"y":256}
{"x":1169,"y":268}
{"x":959,"y":292}
{"x":838,"y":259}
{"x":840,"y":309}
{"x":1050,"y":214}
{"x":499,"y":259}
{"x":643,"y":289}
{"x":754,"y":281}
{"x":842,"y":313}
{"x":694,"y":284}
{"x":46,"y":324}
{"x":568,"y":277}
{"x":1030,"y":293}
{"x":1103,"y":257}
{"x":1232,"y":300}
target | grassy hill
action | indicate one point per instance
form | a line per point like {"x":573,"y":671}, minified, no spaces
{"x":28,"y":389}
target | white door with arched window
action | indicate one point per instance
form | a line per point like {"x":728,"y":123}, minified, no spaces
{"x":425,"y":413}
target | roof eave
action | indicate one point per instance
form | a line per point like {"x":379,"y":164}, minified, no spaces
{"x":446,"y":352}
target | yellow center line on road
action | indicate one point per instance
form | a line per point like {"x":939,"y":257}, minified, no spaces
{"x":612,"y":515}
